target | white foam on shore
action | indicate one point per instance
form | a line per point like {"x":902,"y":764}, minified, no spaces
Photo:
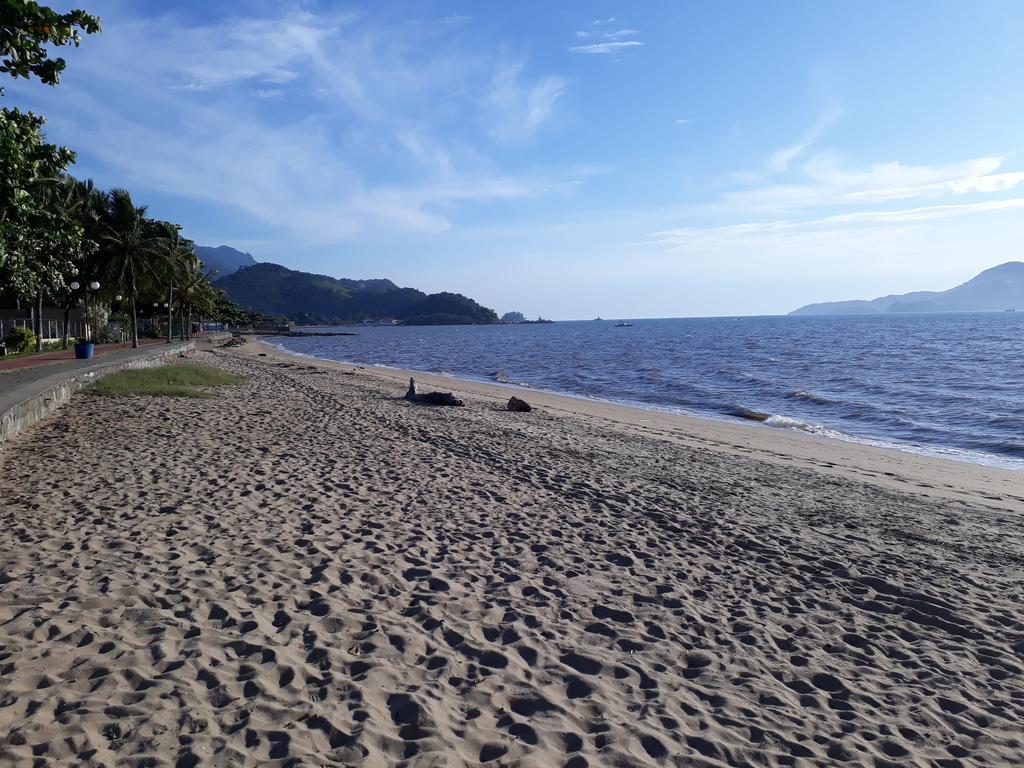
{"x":954,"y":454}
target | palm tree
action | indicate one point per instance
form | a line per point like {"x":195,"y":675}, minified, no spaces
{"x":55,"y":258}
{"x":127,"y":238}
{"x":171,"y":267}
{"x":196,"y":292}
{"x":87,"y":205}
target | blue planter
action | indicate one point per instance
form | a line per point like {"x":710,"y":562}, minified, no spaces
{"x":84,"y":350}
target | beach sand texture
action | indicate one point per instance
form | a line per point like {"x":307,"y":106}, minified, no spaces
{"x":307,"y":570}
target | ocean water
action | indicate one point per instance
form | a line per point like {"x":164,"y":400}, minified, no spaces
{"x":942,"y":384}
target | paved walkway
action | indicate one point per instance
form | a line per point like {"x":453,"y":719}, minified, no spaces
{"x":45,"y":358}
{"x":21,"y":380}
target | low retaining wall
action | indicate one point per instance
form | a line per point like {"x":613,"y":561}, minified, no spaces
{"x":51,"y":395}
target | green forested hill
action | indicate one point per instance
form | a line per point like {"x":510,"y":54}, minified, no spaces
{"x":308,"y":298}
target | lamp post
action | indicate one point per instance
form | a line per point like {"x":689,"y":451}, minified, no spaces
{"x":93,"y":286}
{"x":170,"y":310}
{"x":67,"y":313}
{"x":84,"y":300}
{"x":119,"y":298}
{"x":74,"y":285}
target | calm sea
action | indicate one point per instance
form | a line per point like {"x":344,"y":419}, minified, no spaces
{"x":943,"y":384}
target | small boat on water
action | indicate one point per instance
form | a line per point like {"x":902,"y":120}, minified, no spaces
{"x":1011,"y":309}
{"x":623,"y":324}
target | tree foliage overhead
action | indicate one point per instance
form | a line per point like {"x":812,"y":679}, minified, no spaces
{"x":56,"y":231}
{"x":39,"y":235}
{"x":26,"y":28}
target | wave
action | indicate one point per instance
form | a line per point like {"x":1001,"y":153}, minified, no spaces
{"x":784,"y":422}
{"x":743,"y":376}
{"x":811,"y":397}
{"x":788,"y":422}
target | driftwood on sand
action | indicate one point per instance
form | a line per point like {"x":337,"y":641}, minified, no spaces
{"x":430,"y":398}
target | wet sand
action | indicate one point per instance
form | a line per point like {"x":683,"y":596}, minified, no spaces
{"x":308,"y":570}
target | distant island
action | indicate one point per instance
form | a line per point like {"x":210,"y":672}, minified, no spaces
{"x":518,"y":318}
{"x":309,"y":299}
{"x":998,"y":288}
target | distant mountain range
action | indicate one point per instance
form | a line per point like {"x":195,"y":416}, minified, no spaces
{"x":319,"y":299}
{"x":997,"y":288}
{"x":224,"y":259}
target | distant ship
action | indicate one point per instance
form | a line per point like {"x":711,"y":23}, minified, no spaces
{"x":623,"y":324}
{"x":1011,"y":309}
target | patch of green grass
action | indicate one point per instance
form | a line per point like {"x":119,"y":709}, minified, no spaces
{"x":179,"y":380}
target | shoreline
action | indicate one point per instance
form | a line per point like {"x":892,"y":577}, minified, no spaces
{"x":779,"y":421}
{"x":892,"y":468}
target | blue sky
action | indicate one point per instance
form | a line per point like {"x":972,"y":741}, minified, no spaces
{"x":569,"y":159}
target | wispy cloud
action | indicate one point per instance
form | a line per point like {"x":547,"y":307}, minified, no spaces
{"x":605,"y":48}
{"x":808,"y":208}
{"x":519,"y":109}
{"x":612,"y":39}
{"x":781,"y":158}
{"x":684,"y":237}
{"x":925,"y":213}
{"x":607,"y":35}
{"x":823,"y":180}
{"x":801,"y":176}
{"x":362,"y":99}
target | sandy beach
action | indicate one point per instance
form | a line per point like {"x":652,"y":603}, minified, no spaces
{"x":309,"y":570}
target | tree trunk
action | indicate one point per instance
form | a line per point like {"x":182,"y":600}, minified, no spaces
{"x":67,"y":324}
{"x":190,"y":321}
{"x":39,"y":321}
{"x":135,"y":326}
{"x":135,"y":314}
{"x":170,"y":313}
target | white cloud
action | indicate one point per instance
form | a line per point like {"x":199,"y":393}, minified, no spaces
{"x":605,"y":48}
{"x":363,"y":100}
{"x":823,"y":179}
{"x":613,"y":38}
{"x":682,"y":238}
{"x":851,"y":255}
{"x":781,"y":158}
{"x":269,"y":50}
{"x":925,"y":213}
{"x":607,"y":35}
{"x":192,"y":85}
{"x":518,"y":110}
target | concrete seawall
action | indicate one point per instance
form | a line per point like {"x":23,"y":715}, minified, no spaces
{"x":36,"y":400}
